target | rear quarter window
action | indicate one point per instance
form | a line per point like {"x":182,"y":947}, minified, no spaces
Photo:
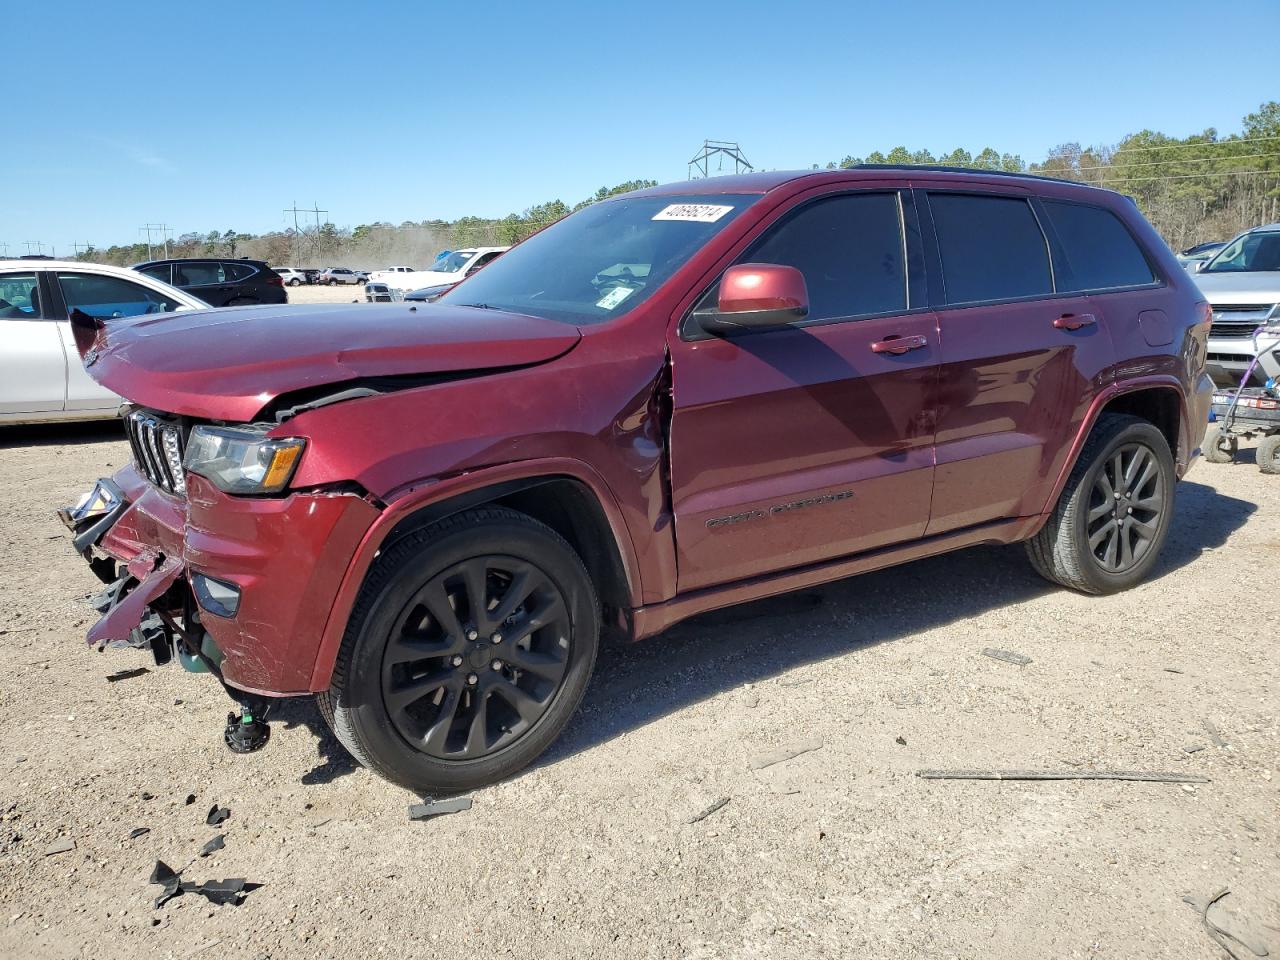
{"x":1100,"y":250}
{"x":238,"y":271}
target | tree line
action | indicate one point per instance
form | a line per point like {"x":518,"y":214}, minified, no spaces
{"x":1196,"y":188}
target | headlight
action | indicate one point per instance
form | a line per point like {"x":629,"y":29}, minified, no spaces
{"x":243,"y":460}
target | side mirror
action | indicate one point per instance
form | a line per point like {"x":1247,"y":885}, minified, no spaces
{"x":1200,"y":265}
{"x":757,"y":296}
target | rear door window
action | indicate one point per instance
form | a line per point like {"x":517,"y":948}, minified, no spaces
{"x":1100,"y":250}
{"x":104,"y":296}
{"x":991,"y":247}
{"x":198,"y":274}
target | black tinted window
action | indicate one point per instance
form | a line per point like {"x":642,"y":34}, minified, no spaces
{"x":991,"y":247}
{"x":850,"y":251}
{"x":159,"y":272}
{"x":238,"y":271}
{"x":196,"y":274}
{"x":1101,"y":251}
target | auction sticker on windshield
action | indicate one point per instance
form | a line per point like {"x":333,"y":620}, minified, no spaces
{"x":695,"y":212}
{"x":614,"y":297}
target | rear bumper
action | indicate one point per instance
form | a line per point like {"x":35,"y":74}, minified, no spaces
{"x":286,"y":556}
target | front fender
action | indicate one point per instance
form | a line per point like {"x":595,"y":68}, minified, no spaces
{"x":452,"y":495}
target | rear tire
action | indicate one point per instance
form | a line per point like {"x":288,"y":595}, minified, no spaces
{"x":1108,"y":527}
{"x":1218,"y":447}
{"x":415,"y":678}
{"x":1268,"y":454}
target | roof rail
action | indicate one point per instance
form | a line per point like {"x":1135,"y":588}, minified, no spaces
{"x":938,"y":168}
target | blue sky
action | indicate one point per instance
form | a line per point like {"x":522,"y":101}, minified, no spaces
{"x":219,"y":115}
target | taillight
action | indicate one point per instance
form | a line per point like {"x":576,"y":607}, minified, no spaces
{"x":1205,"y":315}
{"x":275,"y":280}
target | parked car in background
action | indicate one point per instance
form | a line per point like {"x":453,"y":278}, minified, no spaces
{"x":312,"y":274}
{"x":668,"y":402}
{"x":450,"y":267}
{"x":429,"y":294}
{"x":292,"y":276}
{"x":340,"y":275}
{"x":41,"y":376}
{"x":1242,"y":283}
{"x":1192,"y":256}
{"x":377,"y":292}
{"x":219,"y":282}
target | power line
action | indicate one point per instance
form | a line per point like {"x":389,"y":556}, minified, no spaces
{"x":1104,"y":181}
{"x":1163,"y":163}
{"x":1203,"y":143}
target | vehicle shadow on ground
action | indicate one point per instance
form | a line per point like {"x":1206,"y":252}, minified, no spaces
{"x":334,"y":761}
{"x":636,"y":684}
{"x":61,"y":434}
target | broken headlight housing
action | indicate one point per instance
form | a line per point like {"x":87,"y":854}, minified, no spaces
{"x":243,"y":460}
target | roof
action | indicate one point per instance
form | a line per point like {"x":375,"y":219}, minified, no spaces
{"x":212,"y":256}
{"x":14,"y":263}
{"x":766,"y":181}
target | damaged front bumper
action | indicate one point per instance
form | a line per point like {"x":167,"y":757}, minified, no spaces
{"x":282,"y":558}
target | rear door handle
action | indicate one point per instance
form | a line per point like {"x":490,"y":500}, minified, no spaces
{"x":1074,"y":321}
{"x":899,"y":345}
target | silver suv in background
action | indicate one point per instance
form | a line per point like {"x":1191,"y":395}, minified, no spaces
{"x":1242,"y":284}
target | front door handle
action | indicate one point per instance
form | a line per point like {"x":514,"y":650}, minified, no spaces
{"x":899,"y":345}
{"x":1074,"y":321}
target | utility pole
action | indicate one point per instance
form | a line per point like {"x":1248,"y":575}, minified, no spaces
{"x":4,"y":251}
{"x":34,"y":243}
{"x":160,"y":228}
{"x":721,"y":148}
{"x":75,"y":247}
{"x":315,"y":208}
{"x":296,"y":231}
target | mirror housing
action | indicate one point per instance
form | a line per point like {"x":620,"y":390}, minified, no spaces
{"x":757,"y":296}
{"x":1201,"y":264}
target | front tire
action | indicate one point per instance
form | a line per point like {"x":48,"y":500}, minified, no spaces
{"x":1108,"y":527}
{"x":469,"y":648}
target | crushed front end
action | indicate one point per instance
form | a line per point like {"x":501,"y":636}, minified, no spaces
{"x":238,"y":584}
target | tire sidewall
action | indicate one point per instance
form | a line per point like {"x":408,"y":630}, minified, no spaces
{"x":1104,"y":581}
{"x":361,"y":694}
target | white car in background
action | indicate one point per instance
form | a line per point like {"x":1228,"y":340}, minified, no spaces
{"x":41,"y":376}
{"x":292,"y":276}
{"x":450,"y":267}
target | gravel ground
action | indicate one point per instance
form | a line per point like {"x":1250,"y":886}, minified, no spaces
{"x":841,"y":851}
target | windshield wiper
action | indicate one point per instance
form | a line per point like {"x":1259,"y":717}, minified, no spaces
{"x":479,"y":306}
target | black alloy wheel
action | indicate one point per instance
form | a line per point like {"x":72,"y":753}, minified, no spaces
{"x":475,"y":657}
{"x":1125,"y":508}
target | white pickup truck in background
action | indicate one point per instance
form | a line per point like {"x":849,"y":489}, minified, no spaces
{"x":387,"y":275}
{"x":450,"y":267}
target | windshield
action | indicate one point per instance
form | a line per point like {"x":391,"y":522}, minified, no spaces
{"x":1259,"y":250}
{"x":601,"y":261}
{"x":452,"y":262}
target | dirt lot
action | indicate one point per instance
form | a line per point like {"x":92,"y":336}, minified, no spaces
{"x":839,"y":852}
{"x":318,"y":294}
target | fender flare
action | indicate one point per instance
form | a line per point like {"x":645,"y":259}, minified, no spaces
{"x":453,"y":495}
{"x":1160,"y":381}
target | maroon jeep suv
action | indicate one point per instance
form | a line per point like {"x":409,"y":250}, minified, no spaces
{"x":426,"y":516}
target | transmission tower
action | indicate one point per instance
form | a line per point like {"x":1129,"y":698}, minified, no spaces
{"x":700,"y":165}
